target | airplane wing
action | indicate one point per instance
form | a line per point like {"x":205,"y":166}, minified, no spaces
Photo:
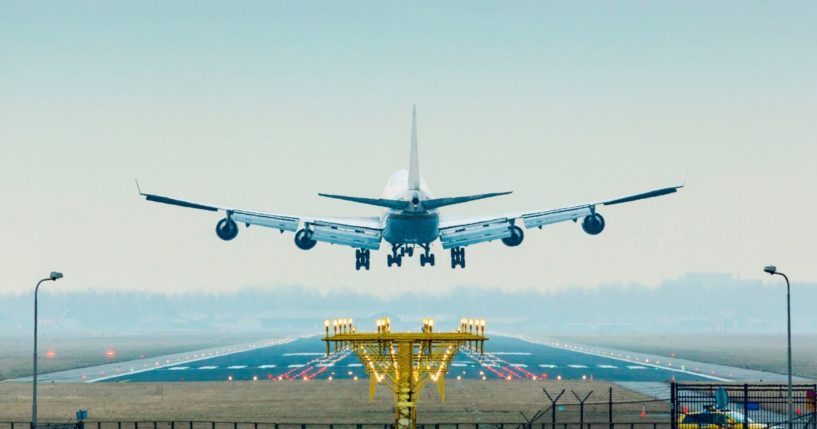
{"x":465,"y":232}
{"x":357,"y":232}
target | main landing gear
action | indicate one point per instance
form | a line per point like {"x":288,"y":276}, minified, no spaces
{"x":426,"y":257}
{"x":458,"y":257}
{"x":362,"y":258}
{"x":396,"y":257}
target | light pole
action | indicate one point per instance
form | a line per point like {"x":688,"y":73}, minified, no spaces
{"x":772,"y":270}
{"x":53,"y":277}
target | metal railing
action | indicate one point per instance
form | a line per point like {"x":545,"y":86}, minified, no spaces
{"x":742,"y":405}
{"x":197,"y":424}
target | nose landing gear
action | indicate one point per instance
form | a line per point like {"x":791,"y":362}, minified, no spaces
{"x":362,"y":258}
{"x":458,"y":257}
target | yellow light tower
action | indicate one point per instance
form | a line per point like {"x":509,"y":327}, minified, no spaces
{"x":406,"y":361}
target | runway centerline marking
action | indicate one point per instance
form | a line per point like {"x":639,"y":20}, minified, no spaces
{"x":208,"y":367}
{"x":236,"y":366}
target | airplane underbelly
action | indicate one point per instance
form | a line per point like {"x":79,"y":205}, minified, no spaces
{"x":411,"y":229}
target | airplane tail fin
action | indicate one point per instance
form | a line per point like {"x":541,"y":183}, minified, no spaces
{"x":414,"y":163}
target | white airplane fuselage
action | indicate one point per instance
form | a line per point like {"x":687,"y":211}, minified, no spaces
{"x":415,"y":225}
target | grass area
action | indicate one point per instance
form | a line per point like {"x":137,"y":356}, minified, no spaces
{"x":759,"y":352}
{"x":70,"y":353}
{"x":315,"y":401}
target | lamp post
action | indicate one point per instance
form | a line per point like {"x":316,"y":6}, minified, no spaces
{"x":53,"y":277}
{"x":772,"y":270}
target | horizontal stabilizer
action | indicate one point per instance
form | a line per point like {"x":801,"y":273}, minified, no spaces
{"x":441,"y":202}
{"x":651,"y":194}
{"x":380,"y":202}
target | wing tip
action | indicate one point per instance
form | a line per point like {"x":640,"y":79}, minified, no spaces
{"x":138,"y":188}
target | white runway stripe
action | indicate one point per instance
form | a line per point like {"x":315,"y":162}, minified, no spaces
{"x":236,"y":366}
{"x":296,"y":365}
{"x":326,"y":364}
{"x":459,"y":364}
{"x":353,"y":365}
{"x":208,"y":367}
{"x":267,"y":366}
{"x":577,"y":366}
{"x":636,"y":367}
{"x":547,"y":365}
{"x":519,"y":365}
{"x":178,"y":368}
{"x":608,"y":366}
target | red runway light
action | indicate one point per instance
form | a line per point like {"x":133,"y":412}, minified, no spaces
{"x":51,"y":354}
{"x":110,"y":353}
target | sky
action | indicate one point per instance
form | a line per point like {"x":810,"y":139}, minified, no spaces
{"x":261,"y":105}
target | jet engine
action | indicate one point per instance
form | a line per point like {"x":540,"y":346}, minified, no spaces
{"x":516,"y":237}
{"x":593,"y":224}
{"x":226,"y":229}
{"x":303,"y":239}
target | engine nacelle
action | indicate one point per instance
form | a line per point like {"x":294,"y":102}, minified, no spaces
{"x":516,"y":237}
{"x":226,"y":229}
{"x":303,"y":239}
{"x":593,"y":224}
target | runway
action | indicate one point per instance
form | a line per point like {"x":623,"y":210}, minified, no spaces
{"x":304,"y":359}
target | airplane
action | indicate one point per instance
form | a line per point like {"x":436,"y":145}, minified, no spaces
{"x":411,"y":219}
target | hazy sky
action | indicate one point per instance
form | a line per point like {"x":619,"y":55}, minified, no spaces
{"x":261,"y":105}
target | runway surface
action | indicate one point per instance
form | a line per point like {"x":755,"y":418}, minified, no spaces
{"x":304,"y":359}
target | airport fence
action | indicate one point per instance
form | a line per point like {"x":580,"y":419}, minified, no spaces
{"x":664,"y":424}
{"x":583,"y":409}
{"x":742,"y":406}
{"x":763,"y":406}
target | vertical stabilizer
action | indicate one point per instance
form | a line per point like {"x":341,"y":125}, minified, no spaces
{"x":414,"y":163}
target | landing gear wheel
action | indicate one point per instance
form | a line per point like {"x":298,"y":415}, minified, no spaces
{"x":362,"y":259}
{"x":398,"y":260}
{"x":410,"y":251}
{"x":426,"y":257}
{"x":458,"y":257}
